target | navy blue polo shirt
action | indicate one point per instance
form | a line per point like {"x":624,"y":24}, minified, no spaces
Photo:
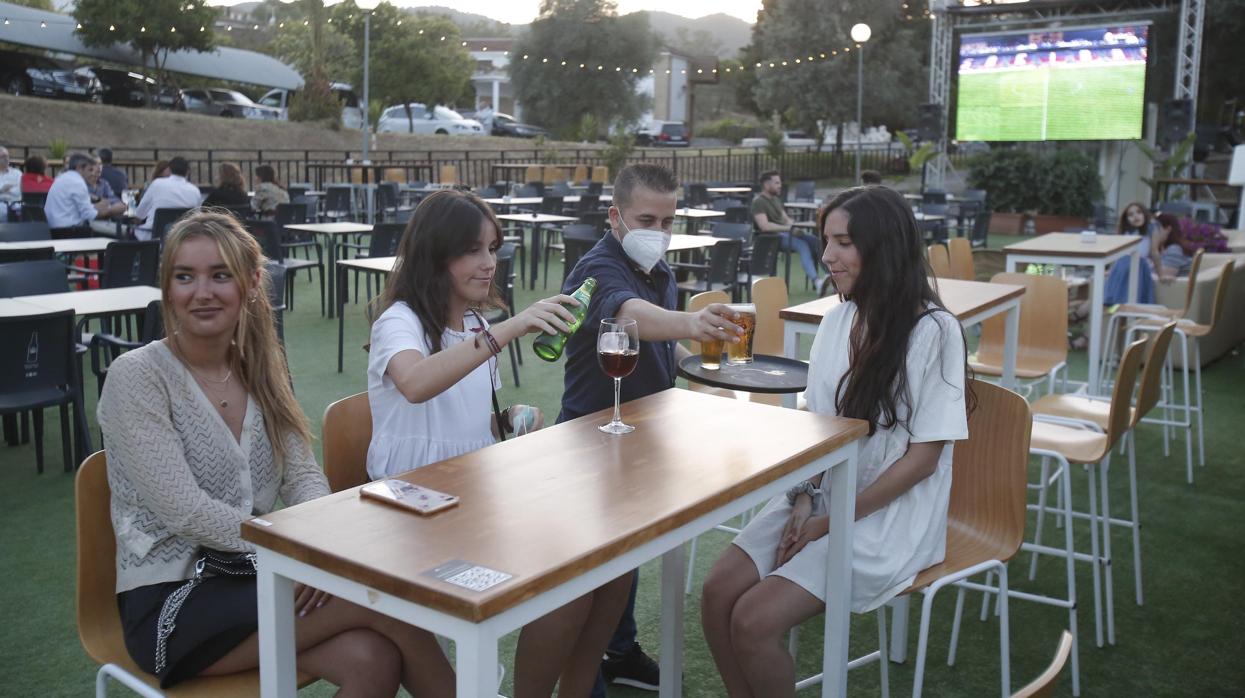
{"x":587,"y":388}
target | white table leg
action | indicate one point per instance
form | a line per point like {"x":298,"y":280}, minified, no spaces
{"x":476,"y":663}
{"x":1134,"y":273}
{"x":1095,"y":327}
{"x":673,"y":569}
{"x":842,"y":507}
{"x":1011,"y":340}
{"x":899,"y":629}
{"x":277,"y":676}
{"x":791,"y":350}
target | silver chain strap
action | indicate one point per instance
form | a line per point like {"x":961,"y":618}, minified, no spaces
{"x":167,"y":622}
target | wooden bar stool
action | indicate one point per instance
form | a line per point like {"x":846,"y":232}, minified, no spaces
{"x":939,"y":261}
{"x":1042,"y":347}
{"x":99,"y":621}
{"x":985,"y":523}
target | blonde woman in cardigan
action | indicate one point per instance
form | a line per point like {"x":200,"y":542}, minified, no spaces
{"x":202,"y":432}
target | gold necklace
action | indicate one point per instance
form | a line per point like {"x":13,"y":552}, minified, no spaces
{"x":223,"y":382}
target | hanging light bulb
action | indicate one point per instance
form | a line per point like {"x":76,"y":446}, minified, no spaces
{"x":112,"y":28}
{"x":79,"y":25}
{"x":172,"y":30}
{"x":398,"y":23}
{"x":43,"y":25}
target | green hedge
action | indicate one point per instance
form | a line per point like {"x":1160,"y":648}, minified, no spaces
{"x":1062,"y":183}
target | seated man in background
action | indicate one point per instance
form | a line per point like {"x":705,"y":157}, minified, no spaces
{"x":868,"y":177}
{"x":69,"y":209}
{"x":100,"y":190}
{"x":166,"y":192}
{"x":115,"y":176}
{"x":769,"y":216}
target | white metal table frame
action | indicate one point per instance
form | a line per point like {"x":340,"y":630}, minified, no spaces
{"x":476,"y":644}
{"x":332,"y":244}
{"x":1015,"y":260}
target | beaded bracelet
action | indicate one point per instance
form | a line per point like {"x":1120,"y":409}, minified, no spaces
{"x":493,"y":346}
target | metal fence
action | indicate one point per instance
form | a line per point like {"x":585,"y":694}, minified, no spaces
{"x":476,"y":168}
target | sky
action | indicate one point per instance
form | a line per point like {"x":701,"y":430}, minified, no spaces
{"x":524,"y":11}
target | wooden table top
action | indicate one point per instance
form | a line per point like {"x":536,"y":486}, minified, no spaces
{"x":699,"y":213}
{"x":66,"y":246}
{"x":98,"y":301}
{"x":1070,"y":245}
{"x":550,"y":505}
{"x":683,"y":243}
{"x":963,"y":298}
{"x":382,"y":264}
{"x":536,"y":218}
{"x":332,"y":228}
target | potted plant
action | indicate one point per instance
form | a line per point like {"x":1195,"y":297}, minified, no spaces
{"x":1053,"y":190}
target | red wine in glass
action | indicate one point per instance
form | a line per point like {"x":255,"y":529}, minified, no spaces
{"x":618,"y":364}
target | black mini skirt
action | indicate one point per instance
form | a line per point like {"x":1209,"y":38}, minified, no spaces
{"x":217,"y":616}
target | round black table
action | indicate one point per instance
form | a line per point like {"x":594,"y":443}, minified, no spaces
{"x":766,"y":374}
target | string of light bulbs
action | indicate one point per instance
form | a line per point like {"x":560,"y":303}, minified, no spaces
{"x":775,"y":64}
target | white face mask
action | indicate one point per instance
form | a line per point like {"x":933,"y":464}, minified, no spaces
{"x":645,"y":247}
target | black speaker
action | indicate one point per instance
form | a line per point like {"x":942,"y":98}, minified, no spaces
{"x":929,"y":127}
{"x":1175,"y":121}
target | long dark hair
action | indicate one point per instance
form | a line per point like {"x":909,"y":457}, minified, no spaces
{"x":1123,"y":227}
{"x":1175,"y":233}
{"x":266,"y":174}
{"x":445,"y":227}
{"x":892,"y":292}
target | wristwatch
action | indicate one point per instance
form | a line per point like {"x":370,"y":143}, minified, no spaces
{"x":805,"y":487}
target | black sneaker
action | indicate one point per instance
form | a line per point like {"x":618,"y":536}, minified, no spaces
{"x":634,"y":669}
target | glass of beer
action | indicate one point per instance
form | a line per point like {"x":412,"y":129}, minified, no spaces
{"x":741,"y":353}
{"x":711,"y":354}
{"x":618,"y":352}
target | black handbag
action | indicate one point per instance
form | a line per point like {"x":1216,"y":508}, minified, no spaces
{"x":210,"y":563}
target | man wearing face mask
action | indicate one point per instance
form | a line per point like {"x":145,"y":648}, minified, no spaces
{"x":634,"y":281}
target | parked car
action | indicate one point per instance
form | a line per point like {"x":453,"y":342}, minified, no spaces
{"x":505,"y":125}
{"x":26,"y":74}
{"x":352,"y":112}
{"x":669,"y":134}
{"x":440,"y":120}
{"x":218,"y":102}
{"x":126,"y":88}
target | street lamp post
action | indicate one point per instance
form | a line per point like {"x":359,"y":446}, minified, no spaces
{"x":860,"y":34}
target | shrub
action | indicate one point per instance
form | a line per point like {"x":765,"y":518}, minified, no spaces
{"x":589,"y":128}
{"x":727,"y":129}
{"x":1206,"y":236}
{"x":316,"y":101}
{"x":57,"y":148}
{"x":1062,"y":183}
{"x":615,"y":155}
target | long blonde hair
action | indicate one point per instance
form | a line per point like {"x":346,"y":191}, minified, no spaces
{"x":255,"y":356}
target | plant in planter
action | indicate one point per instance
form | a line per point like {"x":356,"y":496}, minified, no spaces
{"x":1054,"y":190}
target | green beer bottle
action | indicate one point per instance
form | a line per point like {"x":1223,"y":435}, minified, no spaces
{"x":549,"y":346}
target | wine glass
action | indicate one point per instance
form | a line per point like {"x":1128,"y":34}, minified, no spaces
{"x":618,"y":351}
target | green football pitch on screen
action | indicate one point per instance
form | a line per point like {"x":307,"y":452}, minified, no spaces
{"x":1051,"y":104}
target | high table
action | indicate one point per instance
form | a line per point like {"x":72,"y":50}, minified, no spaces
{"x":558,"y":513}
{"x":690,"y":214}
{"x":380,"y":266}
{"x":970,"y":301}
{"x":683,"y":243}
{"x":1070,"y":249}
{"x":331,"y":232}
{"x":533,"y":222}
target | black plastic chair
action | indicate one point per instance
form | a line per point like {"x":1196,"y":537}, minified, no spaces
{"x":761,"y":261}
{"x":37,"y":371}
{"x":32,"y":198}
{"x":163,"y":218}
{"x":339,"y":202}
{"x":934,"y":231}
{"x":387,"y":198}
{"x":239,"y":211}
{"x":126,"y":263}
{"x":595,"y":188}
{"x":933,"y":196}
{"x":269,"y":236}
{"x":981,"y":229}
{"x":33,"y":278}
{"x":382,"y":242}
{"x":27,"y":254}
{"x":581,"y":233}
{"x":489,"y":193}
{"x":295,"y":240}
{"x":741,"y":231}
{"x":276,"y":296}
{"x":105,"y":348}
{"x":33,"y":214}
{"x":696,"y":196}
{"x":530,"y":189}
{"x":503,"y":279}
{"x":720,"y":274}
{"x":805,"y":190}
{"x":576,"y":248}
{"x":32,"y":231}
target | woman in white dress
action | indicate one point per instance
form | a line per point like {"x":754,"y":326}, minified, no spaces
{"x":431,"y":377}
{"x":889,"y":354}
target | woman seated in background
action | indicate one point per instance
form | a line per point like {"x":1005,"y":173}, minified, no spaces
{"x":203,"y":432}
{"x":34,"y":179}
{"x":230,"y":188}
{"x":1175,"y":252}
{"x":1135,"y":220}
{"x":890,"y":354}
{"x":268,"y":193}
{"x":431,"y":378}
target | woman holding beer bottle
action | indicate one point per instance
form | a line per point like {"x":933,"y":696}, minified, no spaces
{"x":431,"y":378}
{"x":890,"y":354}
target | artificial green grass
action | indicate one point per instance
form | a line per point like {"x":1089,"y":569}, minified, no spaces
{"x":1186,"y":640}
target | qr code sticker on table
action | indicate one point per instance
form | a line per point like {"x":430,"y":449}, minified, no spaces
{"x":477,"y":578}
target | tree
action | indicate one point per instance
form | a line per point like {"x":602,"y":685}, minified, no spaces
{"x":824,"y":90}
{"x":294,"y":44}
{"x":151,"y":27}
{"x":420,"y":60}
{"x":45,"y":5}
{"x":615,"y":53}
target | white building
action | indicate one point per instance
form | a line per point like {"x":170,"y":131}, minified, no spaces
{"x":491,"y":77}
{"x":669,"y":86}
